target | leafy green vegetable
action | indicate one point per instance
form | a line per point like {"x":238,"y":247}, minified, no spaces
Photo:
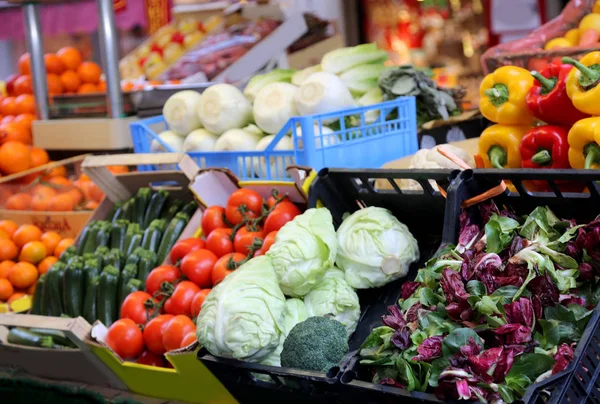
{"x":499,"y":233}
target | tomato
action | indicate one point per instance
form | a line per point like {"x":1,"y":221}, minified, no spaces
{"x":189,"y":339}
{"x":198,"y":300}
{"x":221,"y":270}
{"x":184,"y":247}
{"x":281,"y":214}
{"x":212,"y":218}
{"x":125,"y":338}
{"x":151,"y":359}
{"x":244,"y":240}
{"x":271,"y":201}
{"x":181,"y":300}
{"x":251,"y":200}
{"x":267,"y":243}
{"x":153,"y":332}
{"x":219,"y":242}
{"x":163,"y":273}
{"x":197,"y":267}
{"x":134,"y":307}
{"x":176,"y":330}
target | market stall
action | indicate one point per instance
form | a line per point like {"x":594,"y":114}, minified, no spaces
{"x":323,"y":234}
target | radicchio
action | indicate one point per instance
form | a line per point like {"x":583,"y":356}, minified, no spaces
{"x":408,"y":288}
{"x":586,"y":272}
{"x":453,"y":286}
{"x":388,"y":381}
{"x":564,"y":356}
{"x":430,"y":349}
{"x":460,"y":311}
{"x":566,"y":300}
{"x":514,"y":333}
{"x":401,"y":338}
{"x":395,"y":319}
{"x":543,"y":288}
{"x":520,"y":312}
{"x":589,"y":236}
{"x":412,"y":314}
{"x":469,"y":232}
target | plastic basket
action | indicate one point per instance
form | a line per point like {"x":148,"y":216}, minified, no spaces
{"x":579,"y":382}
{"x":390,"y":134}
{"x":240,"y":378}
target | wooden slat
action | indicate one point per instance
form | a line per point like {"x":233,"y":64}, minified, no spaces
{"x":45,"y":167}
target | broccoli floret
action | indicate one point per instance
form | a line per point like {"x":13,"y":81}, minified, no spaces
{"x":317,"y":343}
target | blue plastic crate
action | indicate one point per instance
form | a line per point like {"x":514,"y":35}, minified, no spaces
{"x":390,"y":134}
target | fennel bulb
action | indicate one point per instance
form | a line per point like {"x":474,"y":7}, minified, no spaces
{"x":302,"y":75}
{"x":237,"y":140}
{"x":340,"y":60}
{"x":224,"y":107}
{"x":200,"y":140}
{"x":174,"y":141}
{"x":274,"y":106}
{"x":277,"y":165}
{"x":322,"y":93}
{"x":180,"y":112}
{"x":327,"y":134}
{"x":259,"y":82}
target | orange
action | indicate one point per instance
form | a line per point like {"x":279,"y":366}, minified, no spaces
{"x":26,"y":120}
{"x":91,"y":205}
{"x":118,"y":169}
{"x":9,"y":226}
{"x":14,"y":157}
{"x":24,"y":67}
{"x":33,"y":252}
{"x":8,"y":250}
{"x":53,"y":64}
{"x":25,"y":104}
{"x":44,"y":190}
{"x":18,"y":202}
{"x":62,"y":183}
{"x":46,"y":264}
{"x":39,"y":203}
{"x":7,"y":119}
{"x":102,"y":86}
{"x":61,"y":246}
{"x":70,"y":57}
{"x":23,"y":275}
{"x":96,"y":193}
{"x":89,"y":72}
{"x":26,"y":233}
{"x":87,"y":88}
{"x":5,"y":268}
{"x":39,"y":157}
{"x":6,"y":290}
{"x":70,"y":80}
{"x":8,"y":106}
{"x":4,"y":235}
{"x":31,"y":289}
{"x":16,"y":296}
{"x":61,"y":203}
{"x":23,"y":85}
{"x":5,"y":193}
{"x":76,"y":195}
{"x":50,"y":240}
{"x":55,"y":85}
{"x":59,"y":171}
{"x":15,"y":132}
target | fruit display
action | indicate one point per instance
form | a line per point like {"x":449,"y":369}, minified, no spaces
{"x":113,"y":258}
{"x":26,"y":255}
{"x":586,"y":34}
{"x":165,"y":47}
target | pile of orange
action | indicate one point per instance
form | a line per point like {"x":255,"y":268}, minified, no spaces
{"x":25,"y":254}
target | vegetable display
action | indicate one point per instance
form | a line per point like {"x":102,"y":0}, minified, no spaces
{"x":485,"y":319}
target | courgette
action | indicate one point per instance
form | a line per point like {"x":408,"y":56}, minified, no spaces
{"x":67,"y":254}
{"x":58,"y":337}
{"x":128,"y":210}
{"x":135,"y":242}
{"x":153,"y":235}
{"x":146,"y":265}
{"x":91,"y":269}
{"x":54,"y":279}
{"x":38,"y":296}
{"x":129,"y":272}
{"x":114,"y":258}
{"x":44,"y":289}
{"x":82,"y":240}
{"x":132,"y":229}
{"x":171,"y":235}
{"x":189,"y":208}
{"x":115,"y":211}
{"x":133,"y":285}
{"x":169,"y":213}
{"x":103,"y":235}
{"x":155,"y":207}
{"x":101,"y":253}
{"x":73,"y":285}
{"x":90,"y":241}
{"x":142,"y":201}
{"x":106,"y":302}
{"x":89,"y":303}
{"x":117,"y":234}
{"x":20,"y":336}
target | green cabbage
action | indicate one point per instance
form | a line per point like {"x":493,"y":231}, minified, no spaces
{"x":333,"y":296}
{"x":303,"y":250}
{"x":340,"y":60}
{"x":242,"y":317}
{"x":374,"y":248}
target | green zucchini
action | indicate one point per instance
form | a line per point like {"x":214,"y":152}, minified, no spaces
{"x":67,"y":254}
{"x":128,"y":210}
{"x":44,"y":289}
{"x":82,"y":240}
{"x":20,"y":336}
{"x":117,"y":234}
{"x":133,"y":285}
{"x":106,"y":303}
{"x":115,"y":211}
{"x":129,"y":272}
{"x":169,"y":213}
{"x":146,"y":265}
{"x":90,"y":241}
{"x":58,"y":337}
{"x":135,"y":242}
{"x":189,"y":208}
{"x":39,"y":296}
{"x":142,"y":201}
{"x":54,"y":279}
{"x":73,"y":285}
{"x":152,"y":235}
{"x":103,"y":236}
{"x":91,"y":269}
{"x":89,"y":303}
{"x":171,"y":235}
{"x":155,"y":207}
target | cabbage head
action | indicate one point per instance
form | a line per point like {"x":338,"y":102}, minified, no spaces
{"x":333,"y":297}
{"x":374,"y":248}
{"x":303,"y":250}
{"x":242,"y":317}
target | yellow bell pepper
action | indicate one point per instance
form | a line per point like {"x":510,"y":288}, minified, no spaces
{"x":584,"y":144}
{"x":590,"y":21}
{"x":582,"y":83}
{"x":558,"y":43}
{"x":573,"y":36}
{"x":596,"y":8}
{"x":499,"y":145}
{"x":502,"y":96}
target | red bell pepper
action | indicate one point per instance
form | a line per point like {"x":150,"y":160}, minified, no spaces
{"x":547,"y":147}
{"x":548,"y":101}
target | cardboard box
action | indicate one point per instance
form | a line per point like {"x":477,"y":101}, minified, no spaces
{"x":79,"y":365}
{"x":67,"y":224}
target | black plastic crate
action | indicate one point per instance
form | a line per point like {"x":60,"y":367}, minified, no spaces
{"x":578,"y":383}
{"x":339,"y":191}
